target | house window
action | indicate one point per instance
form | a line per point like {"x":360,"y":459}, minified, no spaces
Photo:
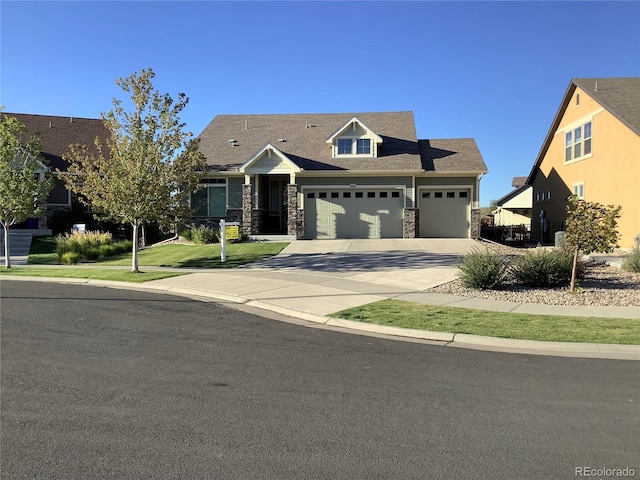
{"x":344,"y":146}
{"x":548,"y":194}
{"x":364,"y":146}
{"x":354,"y":146}
{"x":210,"y":201}
{"x":577,"y":142}
{"x":578,"y":190}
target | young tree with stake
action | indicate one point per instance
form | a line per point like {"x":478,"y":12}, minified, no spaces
{"x":149,"y":165}
{"x":591,"y":227}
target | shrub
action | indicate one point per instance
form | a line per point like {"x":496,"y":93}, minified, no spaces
{"x":545,"y":268}
{"x":204,"y":235}
{"x":70,"y":258}
{"x":107,"y":250}
{"x":632,"y":262}
{"x":122,"y":247}
{"x":187,"y":234}
{"x":92,"y":253}
{"x":483,"y":270}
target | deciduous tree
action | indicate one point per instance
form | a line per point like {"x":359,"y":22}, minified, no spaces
{"x":24,"y":182}
{"x":149,"y":165}
{"x":591,"y":227}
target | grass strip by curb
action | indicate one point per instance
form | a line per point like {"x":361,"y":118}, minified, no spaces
{"x":88,"y":273}
{"x":550,"y":328}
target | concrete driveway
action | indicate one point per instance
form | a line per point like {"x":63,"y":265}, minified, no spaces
{"x":415,"y":264}
{"x":318,"y":277}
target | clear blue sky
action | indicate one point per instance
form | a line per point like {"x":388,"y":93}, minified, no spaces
{"x":494,"y":71}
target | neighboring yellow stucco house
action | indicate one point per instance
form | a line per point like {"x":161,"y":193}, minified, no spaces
{"x":593,"y":150}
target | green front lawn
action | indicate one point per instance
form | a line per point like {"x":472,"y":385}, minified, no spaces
{"x":496,"y":324}
{"x":180,"y":255}
{"x":89,"y":273}
{"x":207,"y":256}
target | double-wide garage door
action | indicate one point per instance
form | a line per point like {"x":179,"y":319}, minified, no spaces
{"x":444,"y":213}
{"x":353,"y":213}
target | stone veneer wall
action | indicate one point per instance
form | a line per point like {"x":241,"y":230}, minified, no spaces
{"x":292,"y":210}
{"x":247,"y":209}
{"x":475,"y":223}
{"x":410,"y":224}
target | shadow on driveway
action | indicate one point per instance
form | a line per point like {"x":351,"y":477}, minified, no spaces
{"x":358,"y":262}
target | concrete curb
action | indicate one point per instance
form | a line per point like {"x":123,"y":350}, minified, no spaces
{"x":460,"y":340}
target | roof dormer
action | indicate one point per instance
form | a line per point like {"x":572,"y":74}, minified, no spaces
{"x":354,"y":139}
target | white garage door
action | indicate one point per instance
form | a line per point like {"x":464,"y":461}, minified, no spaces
{"x":353,"y":213}
{"x":444,"y":213}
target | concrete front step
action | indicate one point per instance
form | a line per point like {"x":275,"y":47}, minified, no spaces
{"x":19,"y":244}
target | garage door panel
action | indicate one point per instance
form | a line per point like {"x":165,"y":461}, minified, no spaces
{"x":353,"y":214}
{"x":444,"y":213}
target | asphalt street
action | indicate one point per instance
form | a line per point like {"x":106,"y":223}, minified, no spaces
{"x":99,"y":383}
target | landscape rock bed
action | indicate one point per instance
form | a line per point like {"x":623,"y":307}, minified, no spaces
{"x":602,"y":285}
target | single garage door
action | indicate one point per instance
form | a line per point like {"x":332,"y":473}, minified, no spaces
{"x":353,"y":213}
{"x":444,"y":213}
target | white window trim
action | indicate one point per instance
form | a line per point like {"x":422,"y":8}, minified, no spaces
{"x":354,"y":147}
{"x":570,"y":128}
{"x":579,"y":184}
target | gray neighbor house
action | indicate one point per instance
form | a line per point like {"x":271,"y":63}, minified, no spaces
{"x":333,"y":176}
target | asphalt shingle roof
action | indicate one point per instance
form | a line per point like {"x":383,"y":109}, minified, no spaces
{"x":621,"y":96}
{"x":451,"y":155}
{"x":57,"y":133}
{"x":305,"y":144}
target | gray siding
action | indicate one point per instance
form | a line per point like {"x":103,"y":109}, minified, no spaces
{"x":234,"y":192}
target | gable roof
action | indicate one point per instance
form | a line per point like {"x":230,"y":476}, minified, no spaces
{"x":305,"y":140}
{"x":268,"y":148}
{"x":57,"y":133}
{"x":619,"y":96}
{"x":354,"y":121}
{"x":451,"y":155}
{"x":302,"y":139}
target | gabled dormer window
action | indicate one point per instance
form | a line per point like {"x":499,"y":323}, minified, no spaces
{"x":363,"y":146}
{"x":345,"y":146}
{"x":354,"y":146}
{"x":354,"y":139}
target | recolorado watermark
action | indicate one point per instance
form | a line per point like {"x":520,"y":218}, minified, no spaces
{"x":605,"y":472}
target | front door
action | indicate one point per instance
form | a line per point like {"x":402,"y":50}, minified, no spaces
{"x":277,"y":213}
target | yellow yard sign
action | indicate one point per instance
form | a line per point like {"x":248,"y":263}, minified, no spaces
{"x":232,"y":232}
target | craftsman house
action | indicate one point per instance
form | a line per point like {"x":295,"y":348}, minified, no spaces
{"x":324,"y":176}
{"x":592,"y":150}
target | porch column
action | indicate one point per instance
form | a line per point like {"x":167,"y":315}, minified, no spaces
{"x":247,"y":209}
{"x":294,"y":227}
